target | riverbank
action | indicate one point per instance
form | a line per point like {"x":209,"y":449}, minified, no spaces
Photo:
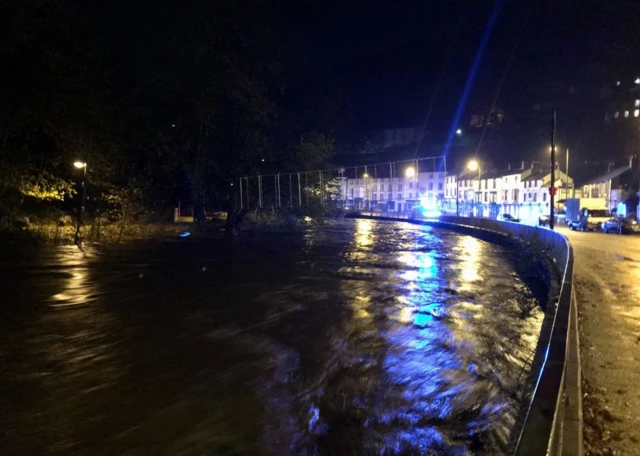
{"x":54,"y":234}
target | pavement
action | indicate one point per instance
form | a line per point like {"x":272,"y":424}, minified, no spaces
{"x":607,"y":284}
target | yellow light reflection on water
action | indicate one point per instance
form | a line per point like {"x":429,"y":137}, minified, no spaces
{"x":472,"y":250}
{"x":364,"y":233}
{"x":77,"y":288}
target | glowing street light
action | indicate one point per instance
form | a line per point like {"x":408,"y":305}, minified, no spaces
{"x":366,"y":176}
{"x":473,"y":165}
{"x":83,"y":166}
{"x":410,"y":172}
{"x":459,"y":132}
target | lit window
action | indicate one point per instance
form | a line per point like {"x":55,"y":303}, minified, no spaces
{"x":616,"y":115}
{"x":626,"y":114}
{"x":637,"y":81}
{"x":637,"y":103}
{"x":636,"y":113}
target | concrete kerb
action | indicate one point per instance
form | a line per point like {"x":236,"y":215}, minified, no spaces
{"x":553,"y":423}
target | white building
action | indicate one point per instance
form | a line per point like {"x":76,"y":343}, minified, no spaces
{"x":535,"y":197}
{"x":608,"y":186}
{"x":393,"y":194}
{"x":520,"y":192}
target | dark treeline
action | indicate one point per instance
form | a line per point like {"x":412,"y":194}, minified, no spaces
{"x":164,"y":101}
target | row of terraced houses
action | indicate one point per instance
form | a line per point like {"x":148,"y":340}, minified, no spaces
{"x":522,"y":192}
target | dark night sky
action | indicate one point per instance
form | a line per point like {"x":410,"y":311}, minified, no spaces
{"x":387,"y":56}
{"x":381,"y":59}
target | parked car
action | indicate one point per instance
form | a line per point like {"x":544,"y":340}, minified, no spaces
{"x":543,"y":220}
{"x":621,"y":225}
{"x":508,"y":218}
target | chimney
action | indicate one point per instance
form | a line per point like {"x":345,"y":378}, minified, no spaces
{"x":509,"y":166}
{"x":522,"y":167}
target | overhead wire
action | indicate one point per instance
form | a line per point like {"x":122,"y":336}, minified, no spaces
{"x":503,"y":78}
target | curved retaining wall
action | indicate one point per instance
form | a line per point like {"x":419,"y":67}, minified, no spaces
{"x":553,"y":424}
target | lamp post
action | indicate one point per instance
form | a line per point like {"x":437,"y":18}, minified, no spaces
{"x":566,"y":171}
{"x":472,"y":166}
{"x":366,"y":191}
{"x":553,"y":171}
{"x":83,"y":200}
{"x":410,"y":174}
{"x":457,"y":190}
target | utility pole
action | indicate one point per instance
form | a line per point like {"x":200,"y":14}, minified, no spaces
{"x":566,"y":171}
{"x":457,"y":190}
{"x":553,"y":171}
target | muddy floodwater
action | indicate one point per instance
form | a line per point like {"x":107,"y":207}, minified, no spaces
{"x":363,"y":337}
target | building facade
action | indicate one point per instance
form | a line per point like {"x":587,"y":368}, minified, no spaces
{"x":396,"y":194}
{"x":523,"y":192}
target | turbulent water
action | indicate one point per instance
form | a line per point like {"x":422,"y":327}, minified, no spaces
{"x":361,"y":338}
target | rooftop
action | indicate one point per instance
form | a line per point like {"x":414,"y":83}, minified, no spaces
{"x":536,"y":176}
{"x":608,"y":176}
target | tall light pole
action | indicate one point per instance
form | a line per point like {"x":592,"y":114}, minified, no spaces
{"x":553,"y":170}
{"x":366,"y":190}
{"x":410,"y":174}
{"x":457,"y":190}
{"x":83,"y":166}
{"x":472,"y":166}
{"x":566,"y":171}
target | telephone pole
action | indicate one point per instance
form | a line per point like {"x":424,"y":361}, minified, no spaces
{"x":552,"y":192}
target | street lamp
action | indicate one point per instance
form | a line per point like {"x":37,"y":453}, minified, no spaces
{"x":410,"y":172}
{"x":474,"y":165}
{"x":81,"y":165}
{"x":366,"y":192}
{"x":459,"y":132}
{"x":566,"y":169}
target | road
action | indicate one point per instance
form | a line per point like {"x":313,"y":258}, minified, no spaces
{"x":607,"y":283}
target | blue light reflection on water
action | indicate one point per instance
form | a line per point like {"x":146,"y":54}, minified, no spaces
{"x":417,"y":362}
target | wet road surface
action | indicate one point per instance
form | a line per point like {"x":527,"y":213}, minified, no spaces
{"x":360,"y":338}
{"x":607,"y":280}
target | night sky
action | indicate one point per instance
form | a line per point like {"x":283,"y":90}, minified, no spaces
{"x":387,"y":57}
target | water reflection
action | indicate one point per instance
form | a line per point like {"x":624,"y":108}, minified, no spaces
{"x":77,"y":288}
{"x":360,"y":338}
{"x":432,"y":390}
{"x":470,"y":250}
{"x":364,"y":235}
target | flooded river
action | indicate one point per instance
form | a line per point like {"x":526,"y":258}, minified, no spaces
{"x":363,"y":337}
